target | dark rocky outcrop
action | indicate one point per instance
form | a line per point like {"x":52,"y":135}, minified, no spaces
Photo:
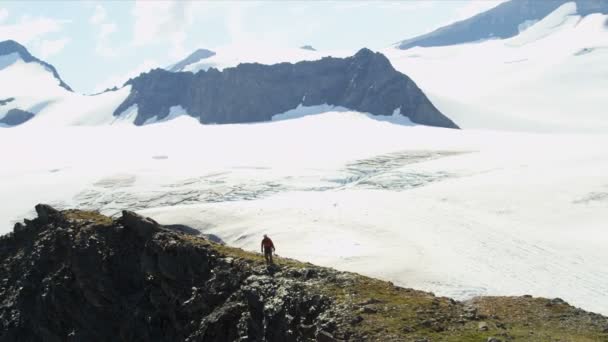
{"x":5,"y":101}
{"x":80,"y":276}
{"x":500,"y":22}
{"x":365,"y":82}
{"x":10,"y":46}
{"x":16,"y":117}
{"x":83,"y":277}
{"x":192,"y":58}
{"x":308,"y":47}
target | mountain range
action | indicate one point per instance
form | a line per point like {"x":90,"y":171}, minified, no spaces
{"x":504,"y":21}
{"x":365,"y":82}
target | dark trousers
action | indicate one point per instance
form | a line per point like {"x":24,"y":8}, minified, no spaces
{"x":268,"y":255}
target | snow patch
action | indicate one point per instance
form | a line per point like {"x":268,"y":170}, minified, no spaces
{"x":302,"y":111}
{"x":128,"y":115}
{"x":563,"y":15}
{"x":526,"y":25}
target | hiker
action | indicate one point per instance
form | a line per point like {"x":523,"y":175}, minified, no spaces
{"x":267,"y":249}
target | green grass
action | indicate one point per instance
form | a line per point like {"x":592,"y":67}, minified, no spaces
{"x":87,"y":216}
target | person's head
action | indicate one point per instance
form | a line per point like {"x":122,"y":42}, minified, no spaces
{"x":265,"y":236}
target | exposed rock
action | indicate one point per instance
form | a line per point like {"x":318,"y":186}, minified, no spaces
{"x":324,"y":336}
{"x":308,"y":47}
{"x":194,"y":57}
{"x":493,"y":339}
{"x":556,"y":301}
{"x":132,"y":279}
{"x":368,"y":310}
{"x":358,"y":319}
{"x":5,"y":101}
{"x":483,"y":326}
{"x":46,"y":213}
{"x":15,"y":117}
{"x":252,"y":92}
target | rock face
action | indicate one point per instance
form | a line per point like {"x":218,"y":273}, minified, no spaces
{"x":8,"y":47}
{"x":365,"y":82}
{"x":16,"y":117}
{"x":503,"y":21}
{"x":308,"y":47}
{"x":192,"y":58}
{"x":87,"y":278}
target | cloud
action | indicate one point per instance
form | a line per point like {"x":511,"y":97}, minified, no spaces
{"x":27,"y":29}
{"x":105,"y":28}
{"x":34,"y":32}
{"x":48,"y":48}
{"x":159,"y":21}
{"x":99,"y":15}
{"x":3,"y":14}
{"x":118,"y":79}
{"x":169,"y":22}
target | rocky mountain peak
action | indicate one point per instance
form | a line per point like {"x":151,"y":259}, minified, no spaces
{"x":194,"y":57}
{"x":365,"y":82}
{"x":8,"y":47}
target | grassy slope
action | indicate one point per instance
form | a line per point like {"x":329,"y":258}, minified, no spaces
{"x":391,"y":313}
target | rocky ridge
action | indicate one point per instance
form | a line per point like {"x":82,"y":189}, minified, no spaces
{"x":252,"y":92}
{"x":8,"y":47}
{"x":503,"y":21}
{"x":79,"y":276}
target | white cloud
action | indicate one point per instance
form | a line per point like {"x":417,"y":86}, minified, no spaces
{"x":159,"y":21}
{"x":99,"y":15}
{"x":168,"y":22}
{"x":3,"y":14}
{"x":105,"y":29}
{"x":27,"y":29}
{"x":51,"y":47}
{"x":117,"y":80}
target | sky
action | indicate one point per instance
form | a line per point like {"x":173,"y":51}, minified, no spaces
{"x":99,"y":44}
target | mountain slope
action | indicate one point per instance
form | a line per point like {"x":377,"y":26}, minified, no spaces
{"x":83,"y":276}
{"x":194,"y":57}
{"x":9,"y":49}
{"x":365,"y":82}
{"x":548,"y":78}
{"x":504,"y":21}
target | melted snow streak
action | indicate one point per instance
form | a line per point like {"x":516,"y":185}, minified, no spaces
{"x":386,"y":171}
{"x":114,"y":193}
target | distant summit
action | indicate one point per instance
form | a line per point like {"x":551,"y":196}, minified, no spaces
{"x":194,"y":57}
{"x":12,"y":48}
{"x":252,"y":92}
{"x":503,"y":21}
{"x":308,"y":47}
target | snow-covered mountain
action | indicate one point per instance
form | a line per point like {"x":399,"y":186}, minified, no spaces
{"x":365,"y":82}
{"x":32,"y":92}
{"x":12,"y":52}
{"x":250,"y":92}
{"x":549,"y":77}
{"x":504,"y":21}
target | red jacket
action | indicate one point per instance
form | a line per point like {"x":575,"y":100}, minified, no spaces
{"x":267,"y":243}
